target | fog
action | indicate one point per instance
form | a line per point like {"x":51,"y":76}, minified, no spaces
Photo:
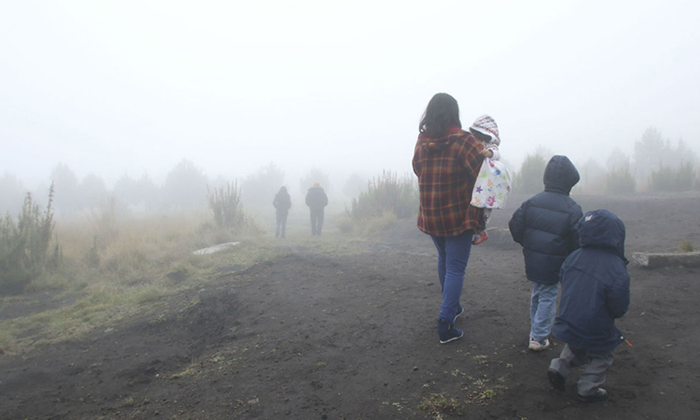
{"x":131,"y":88}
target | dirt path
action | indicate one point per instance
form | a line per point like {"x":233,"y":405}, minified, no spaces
{"x":311,"y":336}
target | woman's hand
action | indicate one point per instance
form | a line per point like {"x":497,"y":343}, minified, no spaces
{"x":487,"y":153}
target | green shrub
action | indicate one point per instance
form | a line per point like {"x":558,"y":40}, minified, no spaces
{"x":621,"y":181}
{"x":669,"y":179}
{"x":530,"y":178}
{"x":387,"y":193}
{"x":686,"y":246}
{"x":225,"y":202}
{"x":24,"y":246}
{"x":376,"y":224}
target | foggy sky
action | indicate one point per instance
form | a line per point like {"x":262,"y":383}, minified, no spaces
{"x":128,"y":87}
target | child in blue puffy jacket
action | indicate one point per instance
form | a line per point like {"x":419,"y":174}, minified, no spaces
{"x":595,"y":290}
{"x":545,"y":225}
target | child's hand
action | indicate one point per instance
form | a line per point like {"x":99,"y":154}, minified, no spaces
{"x":487,"y":153}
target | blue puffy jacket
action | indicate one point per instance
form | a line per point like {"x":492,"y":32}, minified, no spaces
{"x":595,"y":285}
{"x":545,"y":225}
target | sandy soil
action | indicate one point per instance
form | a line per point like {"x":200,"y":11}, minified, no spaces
{"x":313,"y":336}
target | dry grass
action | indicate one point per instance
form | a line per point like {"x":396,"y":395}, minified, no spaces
{"x":113,"y":276}
{"x":436,"y":405}
{"x":366,"y":226}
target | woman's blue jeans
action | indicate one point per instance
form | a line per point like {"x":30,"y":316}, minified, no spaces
{"x":453,"y":256}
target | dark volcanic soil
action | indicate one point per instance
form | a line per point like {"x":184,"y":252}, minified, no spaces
{"x":310,"y":336}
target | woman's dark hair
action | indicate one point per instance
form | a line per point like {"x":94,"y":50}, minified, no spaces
{"x":442,"y":113}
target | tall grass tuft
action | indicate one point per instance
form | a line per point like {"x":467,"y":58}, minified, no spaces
{"x":225,"y":202}
{"x":387,"y":193}
{"x":24,"y":246}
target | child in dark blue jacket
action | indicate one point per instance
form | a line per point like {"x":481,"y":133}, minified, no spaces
{"x":595,"y":290}
{"x":545,"y":225}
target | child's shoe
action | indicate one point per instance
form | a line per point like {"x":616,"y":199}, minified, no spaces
{"x":447,"y":332}
{"x":479,"y":238}
{"x":538,"y":345}
{"x":599,"y":395}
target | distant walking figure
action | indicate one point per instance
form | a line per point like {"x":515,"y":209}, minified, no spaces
{"x":317,"y":200}
{"x":282,"y":203}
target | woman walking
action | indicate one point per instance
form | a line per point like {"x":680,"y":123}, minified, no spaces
{"x":447,"y":160}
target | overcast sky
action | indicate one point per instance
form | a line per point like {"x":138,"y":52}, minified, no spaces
{"x":123,"y":87}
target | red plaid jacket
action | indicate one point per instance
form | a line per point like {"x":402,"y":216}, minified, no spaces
{"x":447,"y":169}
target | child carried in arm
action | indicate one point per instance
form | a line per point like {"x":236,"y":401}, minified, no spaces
{"x":493,"y":183}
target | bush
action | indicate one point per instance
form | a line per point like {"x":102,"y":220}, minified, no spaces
{"x":686,"y":246}
{"x":226,"y":205}
{"x":668,"y":179}
{"x":530,"y":178}
{"x":344,"y":222}
{"x":24,"y":246}
{"x":621,"y":181}
{"x":387,"y":194}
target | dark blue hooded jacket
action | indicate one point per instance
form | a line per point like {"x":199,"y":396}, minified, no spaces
{"x":595,"y":285}
{"x":545,"y":225}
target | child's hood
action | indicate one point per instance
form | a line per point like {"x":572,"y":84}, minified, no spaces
{"x":560,"y":175}
{"x":602,"y":229}
{"x":487,"y":126}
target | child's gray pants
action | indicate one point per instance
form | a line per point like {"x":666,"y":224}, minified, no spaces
{"x":593,"y":375}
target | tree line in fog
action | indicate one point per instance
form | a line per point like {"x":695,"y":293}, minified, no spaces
{"x":186,"y":187}
{"x":656,"y":165}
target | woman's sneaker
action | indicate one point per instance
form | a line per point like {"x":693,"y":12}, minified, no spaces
{"x":538,"y":345}
{"x":447,"y":332}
